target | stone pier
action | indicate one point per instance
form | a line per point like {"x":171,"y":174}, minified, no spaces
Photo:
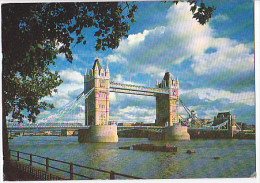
{"x":100,"y":133}
{"x":176,"y":132}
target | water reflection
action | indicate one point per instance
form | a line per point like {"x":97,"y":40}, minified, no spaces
{"x":237,"y":157}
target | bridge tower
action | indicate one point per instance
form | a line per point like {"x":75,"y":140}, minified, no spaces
{"x":167,"y":106}
{"x":167,"y":110}
{"x":97,"y":107}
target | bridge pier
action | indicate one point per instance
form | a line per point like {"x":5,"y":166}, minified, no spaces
{"x":98,"y":133}
{"x":176,"y":132}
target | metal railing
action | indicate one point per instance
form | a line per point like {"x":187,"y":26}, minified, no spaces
{"x":71,"y":171}
{"x":37,"y":173}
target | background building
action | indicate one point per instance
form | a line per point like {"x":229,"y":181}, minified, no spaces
{"x":221,"y":118}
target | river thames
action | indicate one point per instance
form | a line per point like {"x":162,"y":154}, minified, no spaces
{"x":237,"y":157}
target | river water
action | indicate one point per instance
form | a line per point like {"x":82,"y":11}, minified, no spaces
{"x":237,"y":157}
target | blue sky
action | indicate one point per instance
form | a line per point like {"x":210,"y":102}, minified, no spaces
{"x":214,"y":63}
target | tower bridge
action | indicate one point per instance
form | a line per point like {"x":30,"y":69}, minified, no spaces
{"x":97,"y":88}
{"x":97,"y":105}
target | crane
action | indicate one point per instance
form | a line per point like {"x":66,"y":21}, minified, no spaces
{"x":195,"y":118}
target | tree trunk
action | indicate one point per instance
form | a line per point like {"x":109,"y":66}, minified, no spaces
{"x":6,"y":151}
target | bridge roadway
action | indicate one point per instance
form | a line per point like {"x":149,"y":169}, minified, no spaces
{"x":47,"y":128}
{"x":119,"y":128}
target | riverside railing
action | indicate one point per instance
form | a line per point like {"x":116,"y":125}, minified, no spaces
{"x":71,"y":172}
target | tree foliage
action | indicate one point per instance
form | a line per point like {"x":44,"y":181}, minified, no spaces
{"x":34,"y":34}
{"x":201,"y":13}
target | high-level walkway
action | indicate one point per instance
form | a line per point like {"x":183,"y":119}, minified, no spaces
{"x":136,"y":90}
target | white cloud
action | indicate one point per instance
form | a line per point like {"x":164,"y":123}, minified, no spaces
{"x":115,"y":58}
{"x":211,"y":94}
{"x":131,"y":114}
{"x":117,"y":99}
{"x":70,"y":76}
{"x":154,"y":71}
{"x":119,"y":79}
{"x":155,"y":50}
{"x":229,"y":57}
{"x":182,"y":38}
{"x":68,"y":90}
{"x":132,"y":41}
{"x":208,"y":102}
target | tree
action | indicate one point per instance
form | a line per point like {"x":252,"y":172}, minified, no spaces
{"x":32,"y":37}
{"x":33,"y":34}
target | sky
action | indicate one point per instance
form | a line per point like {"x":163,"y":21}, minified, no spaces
{"x":214,"y":62}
